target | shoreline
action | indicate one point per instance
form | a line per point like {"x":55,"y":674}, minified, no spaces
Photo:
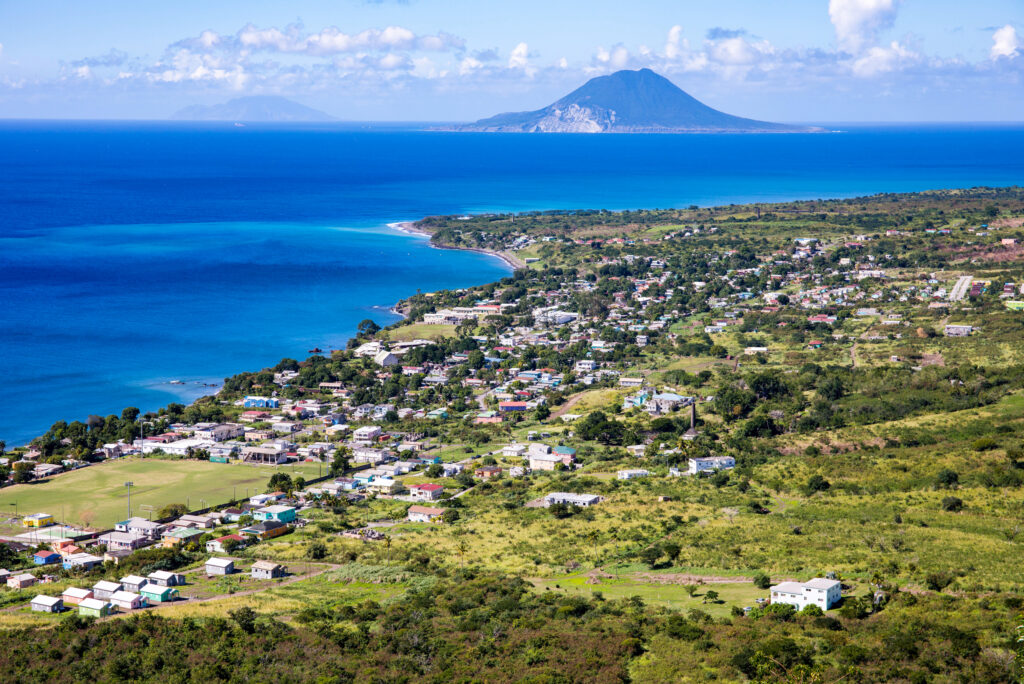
{"x":408,"y":227}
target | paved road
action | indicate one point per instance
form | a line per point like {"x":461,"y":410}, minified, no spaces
{"x":960,"y":290}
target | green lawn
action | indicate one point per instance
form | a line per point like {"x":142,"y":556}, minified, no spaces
{"x":420,"y":331}
{"x":97,"y":496}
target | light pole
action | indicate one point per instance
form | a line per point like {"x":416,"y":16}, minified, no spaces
{"x":128,"y":486}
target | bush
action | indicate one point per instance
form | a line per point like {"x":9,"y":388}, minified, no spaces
{"x":812,"y":610}
{"x":816,"y":483}
{"x":952,"y":504}
{"x":947,"y":478}
{"x":984,"y":444}
{"x":762,"y":580}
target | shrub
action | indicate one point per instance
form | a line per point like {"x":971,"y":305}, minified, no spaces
{"x":952,"y":504}
{"x":947,"y":478}
{"x":984,"y":444}
{"x":762,"y":580}
{"x":812,"y":610}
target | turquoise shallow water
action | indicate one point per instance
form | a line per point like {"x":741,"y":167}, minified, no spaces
{"x":135,"y":254}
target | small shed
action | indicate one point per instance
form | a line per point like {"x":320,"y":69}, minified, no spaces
{"x":267,"y":570}
{"x":127,"y":600}
{"x":21,"y":581}
{"x":75,"y":595}
{"x":92,"y":607}
{"x":220,"y":566}
{"x":47,"y":604}
{"x":164,"y":578}
{"x":133,"y":583}
{"x":104,"y":589}
{"x":157,"y":594}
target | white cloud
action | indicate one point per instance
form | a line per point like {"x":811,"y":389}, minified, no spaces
{"x":858,"y":22}
{"x":1,"y":48}
{"x":328,"y":41}
{"x":519,"y":59}
{"x":880,"y":60}
{"x":1005,"y":43}
{"x":675,"y":44}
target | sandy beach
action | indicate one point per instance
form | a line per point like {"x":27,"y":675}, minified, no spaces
{"x":410,"y":227}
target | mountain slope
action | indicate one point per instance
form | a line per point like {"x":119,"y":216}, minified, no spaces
{"x":627,"y":102}
{"x":257,"y":108}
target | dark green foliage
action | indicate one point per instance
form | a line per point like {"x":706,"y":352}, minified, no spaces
{"x":952,"y":504}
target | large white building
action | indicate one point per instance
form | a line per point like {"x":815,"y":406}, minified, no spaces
{"x":823,"y":593}
{"x":711,"y":464}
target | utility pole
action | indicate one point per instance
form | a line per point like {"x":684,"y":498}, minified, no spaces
{"x":128,"y":486}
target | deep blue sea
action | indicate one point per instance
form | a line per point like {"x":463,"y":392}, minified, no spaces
{"x":133,"y":254}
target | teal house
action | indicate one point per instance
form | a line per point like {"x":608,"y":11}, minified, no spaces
{"x":285,"y":514}
{"x":157,"y":594}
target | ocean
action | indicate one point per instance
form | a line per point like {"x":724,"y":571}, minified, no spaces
{"x":137,"y":254}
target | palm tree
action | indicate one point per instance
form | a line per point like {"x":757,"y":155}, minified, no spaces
{"x":462,"y":547}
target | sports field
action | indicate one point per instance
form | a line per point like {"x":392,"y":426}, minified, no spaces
{"x":96,"y":496}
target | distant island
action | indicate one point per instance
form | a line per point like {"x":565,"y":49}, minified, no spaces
{"x":256,"y":108}
{"x":628,"y":102}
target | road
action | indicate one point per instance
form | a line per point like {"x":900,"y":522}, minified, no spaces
{"x":960,"y":290}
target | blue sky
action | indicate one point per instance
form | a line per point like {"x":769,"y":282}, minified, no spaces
{"x":798,"y":60}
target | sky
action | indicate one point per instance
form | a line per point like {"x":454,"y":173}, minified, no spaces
{"x":460,"y":60}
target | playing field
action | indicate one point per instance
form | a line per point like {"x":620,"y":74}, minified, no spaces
{"x":96,"y":496}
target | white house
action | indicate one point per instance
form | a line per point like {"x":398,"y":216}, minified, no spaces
{"x":424,"y":513}
{"x":581,"y":500}
{"x":820,"y":592}
{"x":47,"y":604}
{"x":385,"y":358}
{"x":366,"y":433}
{"x":220,"y":566}
{"x":711,"y":464}
{"x":632,"y":474}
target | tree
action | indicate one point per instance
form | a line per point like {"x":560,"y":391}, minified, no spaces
{"x":762,"y":580}
{"x":367,"y":327}
{"x":816,"y":483}
{"x":130,"y":414}
{"x":245,"y":618}
{"x":650,"y":555}
{"x":435,"y":470}
{"x":317,"y":550}
{"x":173,"y":510}
{"x":300,"y":482}
{"x":22,"y":472}
{"x":672,"y":550}
{"x":340,"y":462}
{"x":690,"y":589}
{"x":542,"y":412}
{"x":952,"y":504}
{"x":710,"y":595}
{"x":279,"y":482}
{"x":947,"y":478}
{"x":449,"y":516}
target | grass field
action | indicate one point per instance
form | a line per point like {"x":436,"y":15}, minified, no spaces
{"x":96,"y":496}
{"x":421,"y":331}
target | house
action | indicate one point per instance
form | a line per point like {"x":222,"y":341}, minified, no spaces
{"x":163,"y":578}
{"x":218,"y":545}
{"x":104,"y":589}
{"x":232,"y":514}
{"x":133,"y":583}
{"x":452,"y":469}
{"x":81,"y":560}
{"x":95,"y":608}
{"x":21,"y":581}
{"x":666,"y":402}
{"x":385,"y":358}
{"x":545,"y":461}
{"x":568,"y":498}
{"x":260,"y":402}
{"x":632,"y":474}
{"x":181,"y":535}
{"x":285,"y":514}
{"x":487,"y":418}
{"x":124,"y":541}
{"x":513,"y":451}
{"x":127,"y":600}
{"x":711,"y":464}
{"x":154,"y":593}
{"x":140,"y":526}
{"x":424,"y":513}
{"x":367,"y":433}
{"x":820,"y":592}
{"x":510,"y":406}
{"x":487,"y":472}
{"x":45,"y":557}
{"x":631,"y":382}
{"x":426,"y":492}
{"x":266,"y":529}
{"x":75,"y":595}
{"x":37,"y":520}
{"x":220,"y":566}
{"x":267,"y":570}
{"x":386,"y":485}
{"x":47,"y":604}
{"x":958,"y":330}
{"x":265,"y":454}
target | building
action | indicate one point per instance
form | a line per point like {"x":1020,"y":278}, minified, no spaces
{"x":424,"y":514}
{"x":710,"y":464}
{"x":570,"y":499}
{"x":958,"y":330}
{"x":285,"y":514}
{"x":265,"y":530}
{"x":367,"y":433}
{"x":385,"y":358}
{"x":37,"y":520}
{"x":260,"y":402}
{"x":181,"y":535}
{"x":545,"y":461}
{"x":133,"y":583}
{"x":220,"y":566}
{"x":45,"y":557}
{"x":47,"y":604}
{"x":86,"y":561}
{"x":426,"y":492}
{"x":95,"y":608}
{"x":219,"y":545}
{"x":632,"y":474}
{"x":127,"y":600}
{"x":154,"y":593}
{"x":820,"y":592}
{"x":163,"y":578}
{"x":124,"y":541}
{"x":21,"y":581}
{"x":140,"y":526}
{"x":487,"y":472}
{"x":74,"y":595}
{"x":267,"y":570}
{"x":104,"y":589}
